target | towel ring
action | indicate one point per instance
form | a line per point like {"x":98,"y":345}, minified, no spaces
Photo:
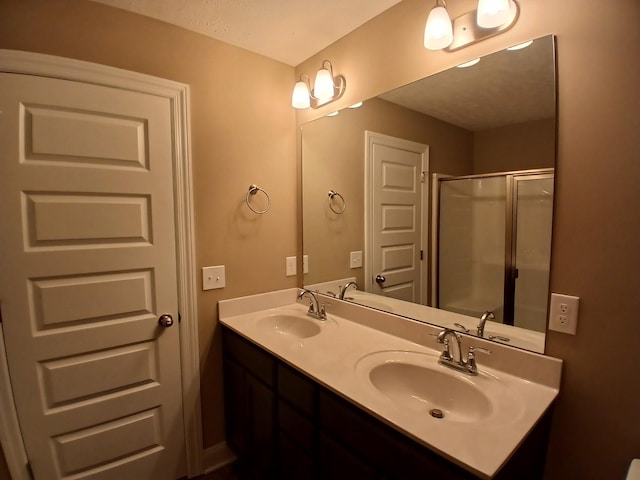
{"x":253,"y":190}
{"x":332,"y":194}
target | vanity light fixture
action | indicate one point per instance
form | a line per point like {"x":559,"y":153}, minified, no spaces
{"x":438,"y":32}
{"x":492,"y":13}
{"x":489,"y":19}
{"x":326,"y":88}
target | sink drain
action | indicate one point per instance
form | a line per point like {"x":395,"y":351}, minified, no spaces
{"x":436,"y":413}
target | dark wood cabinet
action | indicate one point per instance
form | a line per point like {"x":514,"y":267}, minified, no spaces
{"x":282,"y":424}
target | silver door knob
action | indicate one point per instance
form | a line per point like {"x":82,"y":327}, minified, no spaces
{"x":165,"y":320}
{"x":380,"y":279}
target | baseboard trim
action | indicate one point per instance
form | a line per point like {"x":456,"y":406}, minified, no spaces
{"x":217,"y":456}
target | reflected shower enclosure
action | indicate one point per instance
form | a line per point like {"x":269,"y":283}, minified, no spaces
{"x":494,"y":245}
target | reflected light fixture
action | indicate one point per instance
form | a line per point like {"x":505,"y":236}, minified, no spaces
{"x":470,"y":63}
{"x":490,"y":18}
{"x":520,"y":46}
{"x":438,"y":32}
{"x":326,"y":88}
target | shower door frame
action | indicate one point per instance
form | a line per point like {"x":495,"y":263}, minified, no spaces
{"x":510,"y":269}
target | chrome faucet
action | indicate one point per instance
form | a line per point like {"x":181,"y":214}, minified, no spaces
{"x":483,"y":319}
{"x":343,"y":289}
{"x":316,"y":309}
{"x":452,"y":355}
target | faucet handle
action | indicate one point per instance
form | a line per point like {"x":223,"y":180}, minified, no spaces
{"x":473,"y":349}
{"x":472,"y":366}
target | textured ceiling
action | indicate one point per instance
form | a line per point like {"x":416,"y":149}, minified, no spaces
{"x":290,"y":31}
{"x":505,"y":88}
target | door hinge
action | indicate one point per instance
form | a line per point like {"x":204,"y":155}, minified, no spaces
{"x":421,"y":254}
{"x":179,"y":317}
{"x":423,"y":177}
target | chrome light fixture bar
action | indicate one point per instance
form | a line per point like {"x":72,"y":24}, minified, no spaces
{"x":489,"y":19}
{"x":326,"y":88}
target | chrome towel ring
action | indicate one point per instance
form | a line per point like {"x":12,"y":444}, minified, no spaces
{"x":336,"y":209}
{"x":253,"y":190}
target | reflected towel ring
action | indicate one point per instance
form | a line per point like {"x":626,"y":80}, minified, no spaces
{"x":332,"y":194}
{"x":253,"y":190}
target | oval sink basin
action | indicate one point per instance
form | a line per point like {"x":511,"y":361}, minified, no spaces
{"x":294,"y":326}
{"x":421,"y":389}
{"x":416,"y":382}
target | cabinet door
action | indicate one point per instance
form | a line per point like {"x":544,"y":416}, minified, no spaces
{"x":338,"y":463}
{"x":250,"y":413}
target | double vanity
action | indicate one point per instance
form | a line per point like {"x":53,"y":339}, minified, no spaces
{"x":364,"y":394}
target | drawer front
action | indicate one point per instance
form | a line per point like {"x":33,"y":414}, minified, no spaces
{"x":255,"y":360}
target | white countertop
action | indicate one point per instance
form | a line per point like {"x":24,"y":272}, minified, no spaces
{"x":332,"y":359}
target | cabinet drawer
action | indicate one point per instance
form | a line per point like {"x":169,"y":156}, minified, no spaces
{"x":297,"y":389}
{"x":254,"y":359}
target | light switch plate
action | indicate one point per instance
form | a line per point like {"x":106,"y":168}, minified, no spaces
{"x":305,"y":264}
{"x":355,"y":260}
{"x":213,"y":277}
{"x":290,"y":266}
{"x":563,"y":313}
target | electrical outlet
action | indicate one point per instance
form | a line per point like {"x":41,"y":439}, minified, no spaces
{"x":213,"y":277}
{"x":291,"y":266}
{"x":563,"y":313}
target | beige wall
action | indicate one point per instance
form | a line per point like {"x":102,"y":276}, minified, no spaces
{"x":333,"y":159}
{"x":597,"y":220}
{"x":243,"y":132}
{"x":522,"y":146}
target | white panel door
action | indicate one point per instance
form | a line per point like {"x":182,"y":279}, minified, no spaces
{"x":397,"y":222}
{"x":88,"y":266}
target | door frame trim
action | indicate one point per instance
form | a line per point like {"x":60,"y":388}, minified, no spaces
{"x":29,"y":63}
{"x":370,"y":139}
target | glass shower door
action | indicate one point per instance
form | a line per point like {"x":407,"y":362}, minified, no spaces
{"x":533,"y":212}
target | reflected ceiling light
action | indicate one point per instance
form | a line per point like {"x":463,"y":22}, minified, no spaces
{"x":470,"y":63}
{"x":326,"y":88}
{"x":520,"y":46}
{"x":492,"y":13}
{"x":438,"y":31}
{"x":490,"y":18}
{"x":356,"y":105}
{"x":333,"y":114}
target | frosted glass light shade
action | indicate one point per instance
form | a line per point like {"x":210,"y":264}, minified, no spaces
{"x":438,"y":32}
{"x":300,"y":97}
{"x":323,"y":86}
{"x":492,"y":13}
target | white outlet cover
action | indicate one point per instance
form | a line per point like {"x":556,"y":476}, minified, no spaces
{"x":563,"y":313}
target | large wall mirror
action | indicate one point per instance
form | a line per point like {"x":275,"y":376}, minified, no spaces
{"x":440,"y":194}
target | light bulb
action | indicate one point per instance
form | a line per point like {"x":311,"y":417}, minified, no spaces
{"x":438,"y":32}
{"x":323,"y":86}
{"x":300,"y":97}
{"x":492,"y":13}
